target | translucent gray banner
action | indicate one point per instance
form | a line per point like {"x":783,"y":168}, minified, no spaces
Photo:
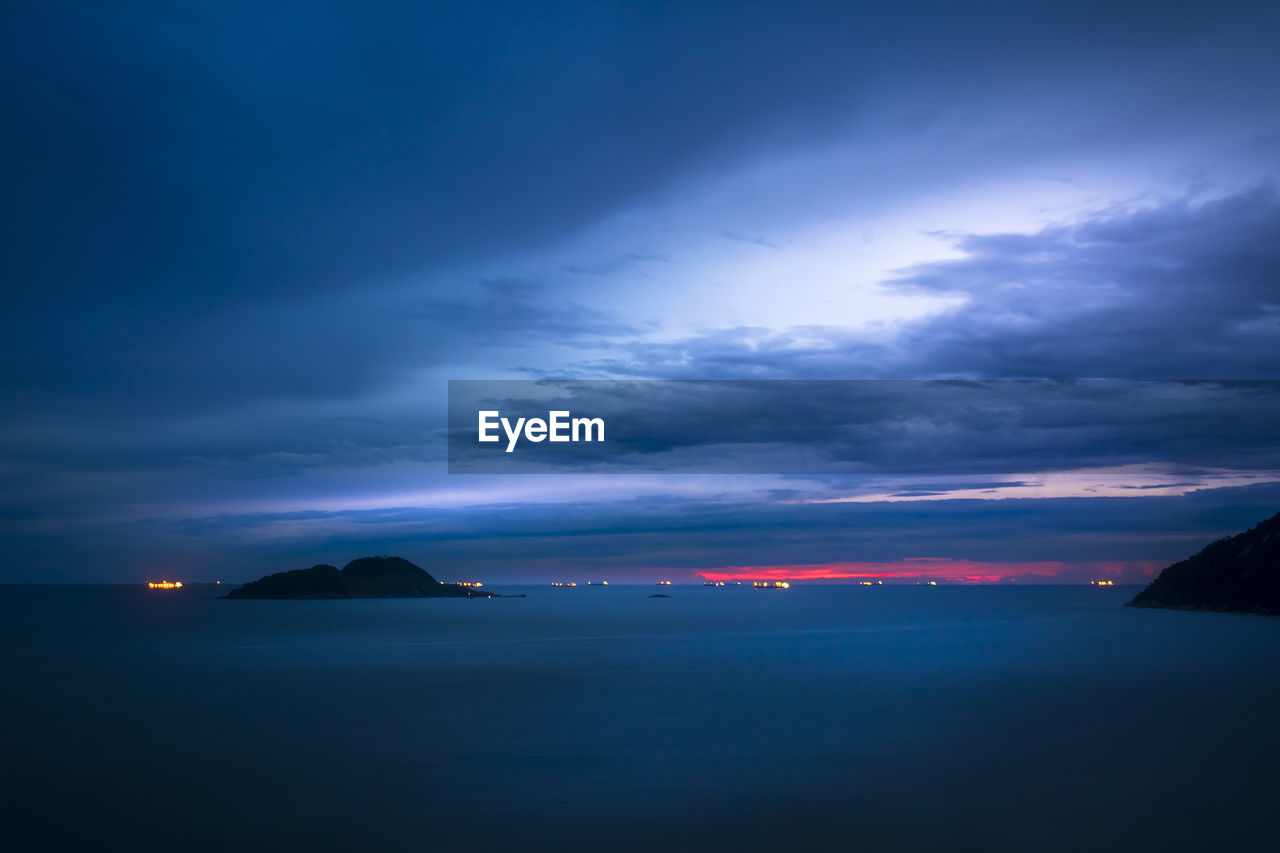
{"x":883,"y":427}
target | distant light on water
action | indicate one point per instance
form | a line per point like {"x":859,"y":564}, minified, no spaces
{"x":164,"y":584}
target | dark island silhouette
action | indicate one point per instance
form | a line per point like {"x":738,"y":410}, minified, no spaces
{"x":366,"y":577}
{"x":1238,"y":574}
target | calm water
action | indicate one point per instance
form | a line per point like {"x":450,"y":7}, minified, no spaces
{"x":817,"y":718}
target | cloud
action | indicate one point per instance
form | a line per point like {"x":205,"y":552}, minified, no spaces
{"x":178,"y":175}
{"x":1166,"y":290}
{"x":626,"y":537}
{"x":530,"y":308}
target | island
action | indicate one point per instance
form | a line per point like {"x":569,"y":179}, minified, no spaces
{"x":1239,"y":574}
{"x":366,"y":577}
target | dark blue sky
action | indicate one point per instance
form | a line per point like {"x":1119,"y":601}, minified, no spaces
{"x":245,"y":247}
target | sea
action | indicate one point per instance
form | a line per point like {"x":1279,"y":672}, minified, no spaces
{"x":841,"y":718}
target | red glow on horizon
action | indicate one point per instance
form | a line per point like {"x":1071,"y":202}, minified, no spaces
{"x":940,"y":568}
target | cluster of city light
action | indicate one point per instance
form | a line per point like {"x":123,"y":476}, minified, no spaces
{"x":564,"y":583}
{"x":771,"y":585}
{"x":1103,"y":583}
{"x":476,"y":584}
{"x":164,"y":584}
{"x":664,"y":583}
{"x":597,"y":583}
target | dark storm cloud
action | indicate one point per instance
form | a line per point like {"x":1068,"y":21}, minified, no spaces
{"x":1172,"y":290}
{"x":173,"y":171}
{"x":166,"y":161}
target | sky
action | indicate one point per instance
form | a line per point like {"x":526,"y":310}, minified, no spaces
{"x":246,"y":248}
